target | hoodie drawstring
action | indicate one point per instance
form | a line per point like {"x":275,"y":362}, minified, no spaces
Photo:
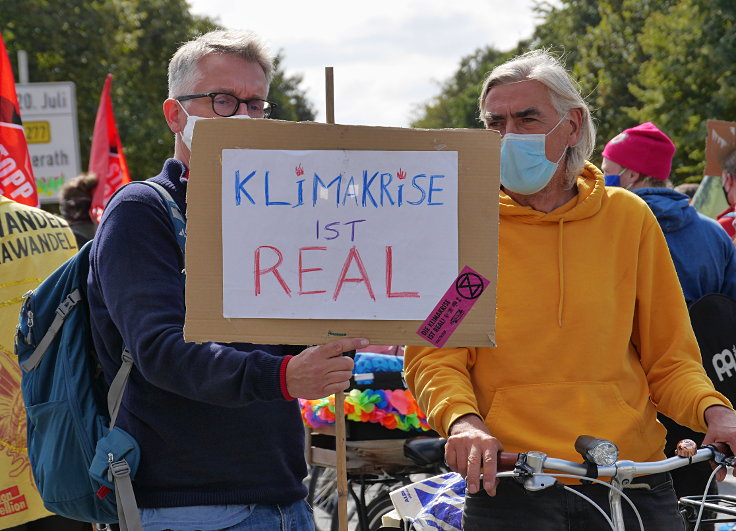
{"x":560,"y":266}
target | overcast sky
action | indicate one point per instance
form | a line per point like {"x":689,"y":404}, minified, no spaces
{"x":388,"y":55}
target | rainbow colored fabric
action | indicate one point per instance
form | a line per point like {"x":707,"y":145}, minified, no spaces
{"x":393,"y":409}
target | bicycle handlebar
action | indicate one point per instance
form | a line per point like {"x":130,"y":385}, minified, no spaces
{"x":510,"y":461}
{"x":426,"y":451}
{"x":537,"y":471}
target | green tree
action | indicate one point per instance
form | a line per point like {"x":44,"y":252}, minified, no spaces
{"x":292,"y":103}
{"x":689,"y":76}
{"x":83,"y":40}
{"x":457,"y":103}
{"x":562,"y":27}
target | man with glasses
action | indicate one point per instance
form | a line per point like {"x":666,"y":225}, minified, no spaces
{"x":221,"y":436}
{"x":227,"y":105}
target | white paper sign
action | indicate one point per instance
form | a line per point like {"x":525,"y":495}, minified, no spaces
{"x":331,"y":234}
{"x":49,"y":112}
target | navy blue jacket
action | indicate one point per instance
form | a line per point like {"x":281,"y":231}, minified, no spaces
{"x":211,"y":419}
{"x":704,"y":255}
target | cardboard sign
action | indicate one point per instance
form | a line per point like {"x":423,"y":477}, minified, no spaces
{"x":299,"y":233}
{"x":721,"y":141}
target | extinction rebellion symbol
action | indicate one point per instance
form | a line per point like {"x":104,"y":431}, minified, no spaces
{"x":469,"y":285}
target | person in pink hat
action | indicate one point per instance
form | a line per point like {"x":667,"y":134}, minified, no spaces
{"x":640,"y":159}
{"x":727,"y":218}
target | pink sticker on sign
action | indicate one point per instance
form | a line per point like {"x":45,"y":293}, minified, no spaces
{"x":453,"y":307}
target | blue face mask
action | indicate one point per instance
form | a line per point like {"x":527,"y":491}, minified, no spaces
{"x":524,"y":166}
{"x":612,"y":180}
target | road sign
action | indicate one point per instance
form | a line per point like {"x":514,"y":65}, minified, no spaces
{"x":49,"y":114}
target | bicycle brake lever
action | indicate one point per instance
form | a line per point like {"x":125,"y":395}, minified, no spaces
{"x":528,"y":471}
{"x":719,"y":456}
{"x":522,"y":469}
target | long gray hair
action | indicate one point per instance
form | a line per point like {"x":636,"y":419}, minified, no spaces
{"x":246,"y":45}
{"x":564,"y":92}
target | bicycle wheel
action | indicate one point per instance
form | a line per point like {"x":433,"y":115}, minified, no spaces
{"x":322,"y":496}
{"x":376,"y":509}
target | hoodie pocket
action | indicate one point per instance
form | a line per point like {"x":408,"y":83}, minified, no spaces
{"x":549,"y":417}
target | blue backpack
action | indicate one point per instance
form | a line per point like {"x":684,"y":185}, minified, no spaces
{"x":77,"y":453}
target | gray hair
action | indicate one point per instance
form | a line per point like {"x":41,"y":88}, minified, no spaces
{"x":729,"y":163}
{"x":564,"y":92}
{"x":688,"y":189}
{"x":246,"y":45}
{"x":653,"y":182}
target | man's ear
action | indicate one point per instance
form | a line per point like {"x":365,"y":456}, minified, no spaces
{"x":175,"y":116}
{"x":634,"y":177}
{"x":576,"y":120}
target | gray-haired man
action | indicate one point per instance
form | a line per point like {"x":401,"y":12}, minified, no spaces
{"x":592,"y":329}
{"x":219,"y":429}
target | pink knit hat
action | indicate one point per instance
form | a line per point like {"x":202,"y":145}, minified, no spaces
{"x":644,"y":149}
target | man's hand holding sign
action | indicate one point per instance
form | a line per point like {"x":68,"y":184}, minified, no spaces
{"x":322,"y":370}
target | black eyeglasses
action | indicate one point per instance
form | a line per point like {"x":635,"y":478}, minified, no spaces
{"x":226,"y":105}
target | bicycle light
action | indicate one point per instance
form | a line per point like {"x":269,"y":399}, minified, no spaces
{"x":597,"y":451}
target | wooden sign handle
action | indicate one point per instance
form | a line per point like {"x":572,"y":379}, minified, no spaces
{"x":330,"y":95}
{"x":340,"y":431}
{"x":341,"y":455}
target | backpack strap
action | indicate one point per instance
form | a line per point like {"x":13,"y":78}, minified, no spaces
{"x":117,"y":387}
{"x":62,"y":311}
{"x":177,"y":217}
{"x":117,"y":454}
{"x":128,"y":514}
{"x":119,"y":471}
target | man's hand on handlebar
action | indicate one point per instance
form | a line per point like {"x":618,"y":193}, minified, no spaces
{"x":472,"y":450}
{"x":721,"y":429}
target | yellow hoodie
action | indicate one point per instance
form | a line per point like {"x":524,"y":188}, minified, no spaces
{"x":592,"y":332}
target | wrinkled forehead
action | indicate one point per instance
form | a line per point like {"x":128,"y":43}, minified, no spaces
{"x":527,"y":96}
{"x":518,"y":100}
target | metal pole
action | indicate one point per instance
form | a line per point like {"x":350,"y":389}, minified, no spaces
{"x":22,"y":66}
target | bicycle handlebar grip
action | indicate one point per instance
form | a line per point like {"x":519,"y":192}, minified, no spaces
{"x":506,"y":461}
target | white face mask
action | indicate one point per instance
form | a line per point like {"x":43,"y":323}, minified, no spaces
{"x":186,"y":134}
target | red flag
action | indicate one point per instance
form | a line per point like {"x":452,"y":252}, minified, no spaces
{"x":106,"y":159}
{"x":16,"y":174}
